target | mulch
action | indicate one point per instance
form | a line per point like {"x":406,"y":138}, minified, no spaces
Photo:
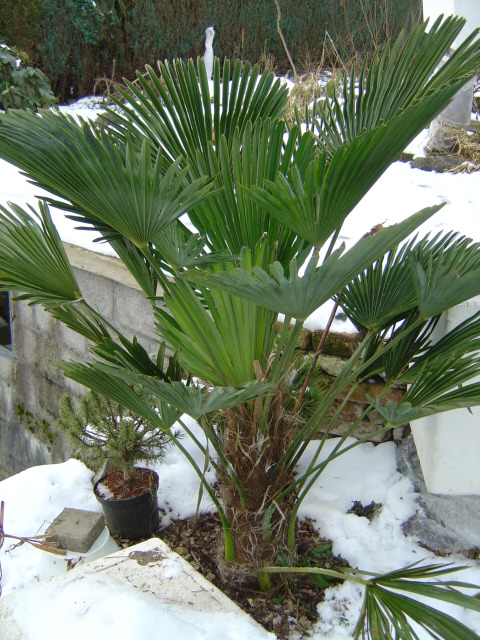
{"x":289,"y":610}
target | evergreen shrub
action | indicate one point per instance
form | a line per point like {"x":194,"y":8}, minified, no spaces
{"x":22,"y":86}
{"x":100,"y":429}
{"x":18,"y":25}
{"x":106,"y":38}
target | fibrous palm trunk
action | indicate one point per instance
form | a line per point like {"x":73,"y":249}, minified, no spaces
{"x":254,"y":456}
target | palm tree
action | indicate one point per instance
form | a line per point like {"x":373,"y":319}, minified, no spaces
{"x":268,"y":201}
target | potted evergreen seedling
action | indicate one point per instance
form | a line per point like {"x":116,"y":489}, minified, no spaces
{"x":103,"y":431}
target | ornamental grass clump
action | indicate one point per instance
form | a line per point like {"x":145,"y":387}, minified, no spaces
{"x":268,"y":201}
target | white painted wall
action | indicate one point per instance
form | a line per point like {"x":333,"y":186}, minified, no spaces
{"x":448,"y":444}
{"x":469,"y":9}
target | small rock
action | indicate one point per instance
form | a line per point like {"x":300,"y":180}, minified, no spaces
{"x":439,"y":163}
{"x":445,"y":524}
{"x":182,"y":551}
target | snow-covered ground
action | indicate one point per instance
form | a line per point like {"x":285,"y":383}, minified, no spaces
{"x":35,"y":497}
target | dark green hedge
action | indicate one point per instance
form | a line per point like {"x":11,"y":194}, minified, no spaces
{"x":76,"y":41}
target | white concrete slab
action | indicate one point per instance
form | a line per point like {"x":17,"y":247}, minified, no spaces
{"x":148,"y":576}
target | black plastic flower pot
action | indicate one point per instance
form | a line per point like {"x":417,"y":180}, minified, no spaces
{"x":131,"y":518}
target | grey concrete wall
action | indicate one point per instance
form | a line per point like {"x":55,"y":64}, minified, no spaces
{"x":28,"y":376}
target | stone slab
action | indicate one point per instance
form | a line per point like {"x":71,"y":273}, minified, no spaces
{"x":76,"y":529}
{"x":147,"y":570}
{"x":444,"y":524}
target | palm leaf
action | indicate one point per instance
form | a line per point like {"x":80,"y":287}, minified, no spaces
{"x":298,"y":296}
{"x":382,"y":597}
{"x":129,"y":355}
{"x":113,"y":387}
{"x":174,"y":108}
{"x":364,"y":131}
{"x":382,"y":294}
{"x":218,"y":335}
{"x":378,"y":95}
{"x":385,"y":293}
{"x":438,"y":376}
{"x":178,"y":248}
{"x":232,"y":220}
{"x":448,"y":280}
{"x":237,"y":140}
{"x":388,"y":613}
{"x":398,"y":611}
{"x":193,"y":400}
{"x":32,"y":258}
{"x":114,"y":188}
{"x":408,"y":339}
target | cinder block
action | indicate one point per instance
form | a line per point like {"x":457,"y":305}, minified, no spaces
{"x":133,"y":312}
{"x":97,"y":291}
{"x":76,"y":529}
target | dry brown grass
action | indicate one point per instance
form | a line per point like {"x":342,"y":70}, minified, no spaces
{"x":465,"y":145}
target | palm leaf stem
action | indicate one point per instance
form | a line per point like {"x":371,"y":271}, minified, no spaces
{"x":227,"y":466}
{"x":284,"y":334}
{"x":317,"y":470}
{"x":227,"y":532}
{"x":349,"y":375}
{"x":198,"y":444}
{"x":274,"y":367}
{"x":333,"y":242}
{"x":315,"y":473}
{"x":280,"y":366}
{"x":341,"y":575}
{"x":299,"y":444}
{"x":96,"y":327}
{"x":206,"y":464}
{"x":354,"y":425}
{"x":161,"y":276}
{"x":329,"y":427}
{"x":300,"y":481}
{"x":319,"y":350}
{"x":305,"y":434}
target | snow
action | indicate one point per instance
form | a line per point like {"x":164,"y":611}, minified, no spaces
{"x":35,"y":497}
{"x":135,"y":617}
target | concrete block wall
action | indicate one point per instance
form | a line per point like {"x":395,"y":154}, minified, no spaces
{"x":28,"y":376}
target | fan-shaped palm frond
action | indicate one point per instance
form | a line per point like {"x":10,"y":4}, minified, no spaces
{"x":385,"y":293}
{"x":362,"y":132}
{"x":32,"y":258}
{"x":174,"y":108}
{"x":376,"y":95}
{"x":112,"y":187}
{"x":405,"y":340}
{"x":232,"y":220}
{"x":448,"y":280}
{"x":219,"y":336}
{"x":237,"y":140}
{"x":298,"y":296}
{"x":193,"y":400}
{"x":387,"y":612}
